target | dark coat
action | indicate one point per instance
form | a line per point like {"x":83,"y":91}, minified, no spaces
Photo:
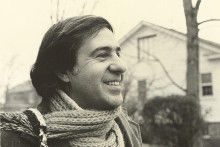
{"x":130,"y":130}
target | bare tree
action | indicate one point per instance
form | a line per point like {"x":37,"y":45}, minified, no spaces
{"x":192,"y":49}
{"x":60,"y":9}
{"x":192,"y":76}
{"x":9,"y":70}
{"x":192,"y":24}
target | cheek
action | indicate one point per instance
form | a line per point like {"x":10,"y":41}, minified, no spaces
{"x":89,"y":78}
{"x":95,"y":71}
{"x":92,"y":73}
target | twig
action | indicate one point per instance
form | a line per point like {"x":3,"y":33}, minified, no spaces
{"x":93,"y":7}
{"x":51,"y":13}
{"x":58,"y":10}
{"x":208,"y":21}
{"x":165,"y":71}
{"x":163,"y":67}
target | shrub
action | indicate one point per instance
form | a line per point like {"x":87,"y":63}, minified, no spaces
{"x":172,"y":121}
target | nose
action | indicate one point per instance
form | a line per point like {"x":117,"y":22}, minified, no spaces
{"x":117,"y":65}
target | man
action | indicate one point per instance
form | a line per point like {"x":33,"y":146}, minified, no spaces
{"x":78,"y":74}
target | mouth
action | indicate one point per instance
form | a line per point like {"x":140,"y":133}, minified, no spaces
{"x":114,"y":87}
{"x":113,"y":83}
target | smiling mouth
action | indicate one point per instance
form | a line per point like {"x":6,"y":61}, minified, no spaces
{"x":113,"y":83}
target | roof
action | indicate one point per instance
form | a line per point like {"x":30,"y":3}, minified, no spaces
{"x":215,"y":47}
{"x":25,"y":86}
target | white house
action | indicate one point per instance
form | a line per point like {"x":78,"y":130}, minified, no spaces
{"x":21,"y":97}
{"x":157,"y":58}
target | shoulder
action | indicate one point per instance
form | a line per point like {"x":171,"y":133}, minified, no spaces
{"x":124,"y":115}
{"x":16,"y":130}
{"x":17,"y":139}
{"x":135,"y":126}
{"x":130,"y":126}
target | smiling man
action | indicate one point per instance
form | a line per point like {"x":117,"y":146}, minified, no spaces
{"x":100,"y":72}
{"x":78,"y":73}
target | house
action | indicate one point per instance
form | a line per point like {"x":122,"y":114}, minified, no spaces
{"x":21,"y":97}
{"x":1,"y":107}
{"x":156,"y":58}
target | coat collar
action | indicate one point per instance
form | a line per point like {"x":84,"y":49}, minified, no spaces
{"x":130,"y":130}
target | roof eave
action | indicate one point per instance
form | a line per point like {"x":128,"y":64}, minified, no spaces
{"x":203,"y":43}
{"x":213,"y":57}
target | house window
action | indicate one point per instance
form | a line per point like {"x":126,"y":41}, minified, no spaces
{"x":145,"y":47}
{"x":206,"y":129}
{"x":206,"y":90}
{"x":142,"y":90}
{"x":206,"y":82}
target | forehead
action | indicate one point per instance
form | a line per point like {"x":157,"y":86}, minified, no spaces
{"x":104,"y":38}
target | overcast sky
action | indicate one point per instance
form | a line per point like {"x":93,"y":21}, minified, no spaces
{"x":24,"y":22}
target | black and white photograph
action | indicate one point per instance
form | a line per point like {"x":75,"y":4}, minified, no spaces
{"x":110,"y":73}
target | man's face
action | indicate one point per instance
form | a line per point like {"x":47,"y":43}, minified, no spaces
{"x":96,"y":83}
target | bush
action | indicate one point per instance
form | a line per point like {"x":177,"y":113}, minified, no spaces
{"x":171,"y":121}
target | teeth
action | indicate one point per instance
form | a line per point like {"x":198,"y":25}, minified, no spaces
{"x":113,"y":83}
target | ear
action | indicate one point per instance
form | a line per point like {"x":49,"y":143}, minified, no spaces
{"x":63,"y":76}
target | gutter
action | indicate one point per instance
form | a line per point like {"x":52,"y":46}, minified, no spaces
{"x":213,"y":57}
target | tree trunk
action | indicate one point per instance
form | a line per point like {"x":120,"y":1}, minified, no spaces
{"x":192,"y":52}
{"x":193,"y":59}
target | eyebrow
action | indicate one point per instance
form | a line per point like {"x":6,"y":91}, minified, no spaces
{"x":104,"y":48}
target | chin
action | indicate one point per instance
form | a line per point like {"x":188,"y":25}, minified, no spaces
{"x":114,"y":104}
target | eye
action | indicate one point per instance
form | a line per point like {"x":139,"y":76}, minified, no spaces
{"x":103,"y":55}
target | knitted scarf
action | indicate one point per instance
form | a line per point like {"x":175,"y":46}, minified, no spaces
{"x":82,"y":128}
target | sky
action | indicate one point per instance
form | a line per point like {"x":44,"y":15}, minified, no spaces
{"x":24,"y":22}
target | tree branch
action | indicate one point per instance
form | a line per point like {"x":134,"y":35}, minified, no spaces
{"x":93,"y":7}
{"x":62,"y":17}
{"x":151,"y":82}
{"x":197,"y":5}
{"x":58,"y":10}
{"x":165,"y":71}
{"x":83,"y":9}
{"x":163,"y":67}
{"x":208,"y":21}
{"x":51,"y":14}
{"x":162,"y":87}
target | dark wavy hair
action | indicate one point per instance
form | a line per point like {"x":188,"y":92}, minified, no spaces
{"x":58,"y":51}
